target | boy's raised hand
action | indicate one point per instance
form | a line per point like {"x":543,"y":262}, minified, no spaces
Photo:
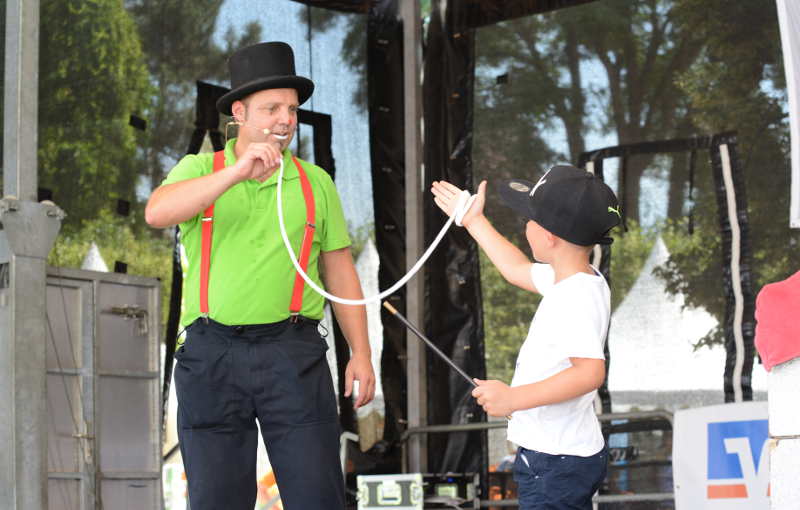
{"x":447,"y":195}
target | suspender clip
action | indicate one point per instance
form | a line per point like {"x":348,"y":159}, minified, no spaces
{"x":294,"y":317}
{"x":204,"y":316}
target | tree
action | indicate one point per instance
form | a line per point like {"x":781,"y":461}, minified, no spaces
{"x":736,"y":84}
{"x":507,"y":313}
{"x":640,"y":71}
{"x":543,"y":59}
{"x":354,"y":51}
{"x":177,"y":39}
{"x":91,"y":80}
{"x":700,"y":67}
{"x":633,"y":51}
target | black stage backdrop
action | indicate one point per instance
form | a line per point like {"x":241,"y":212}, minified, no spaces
{"x":454,"y":318}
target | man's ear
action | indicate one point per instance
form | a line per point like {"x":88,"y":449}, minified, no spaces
{"x":238,"y":109}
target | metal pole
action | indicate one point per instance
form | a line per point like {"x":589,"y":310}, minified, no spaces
{"x":606,"y":498}
{"x":416,"y":362}
{"x":21,"y":99}
{"x":29,"y":229}
{"x":486,"y":425}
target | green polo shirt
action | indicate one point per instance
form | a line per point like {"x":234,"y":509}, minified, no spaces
{"x":252,"y":277}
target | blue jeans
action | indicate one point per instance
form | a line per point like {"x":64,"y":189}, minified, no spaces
{"x":558,"y":482}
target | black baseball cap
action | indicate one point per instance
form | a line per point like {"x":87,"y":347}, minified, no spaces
{"x":571,"y":203}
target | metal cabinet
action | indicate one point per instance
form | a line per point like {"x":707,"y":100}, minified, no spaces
{"x":103,"y":391}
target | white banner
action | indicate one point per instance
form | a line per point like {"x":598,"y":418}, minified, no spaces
{"x":789,"y":20}
{"x":720,"y":458}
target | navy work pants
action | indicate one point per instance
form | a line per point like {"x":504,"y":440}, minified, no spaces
{"x":226,"y":377}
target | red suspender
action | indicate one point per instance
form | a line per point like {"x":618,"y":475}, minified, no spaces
{"x":305,"y":249}
{"x":205,"y":243}
{"x":308,"y":237}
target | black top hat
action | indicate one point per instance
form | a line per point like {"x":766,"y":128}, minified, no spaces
{"x":268,"y":65}
{"x":571,"y":203}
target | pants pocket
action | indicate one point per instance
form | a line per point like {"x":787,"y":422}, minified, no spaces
{"x":527,"y":475}
{"x":309,"y":378}
{"x":201,"y":375}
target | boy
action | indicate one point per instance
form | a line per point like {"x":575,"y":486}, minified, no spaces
{"x":562,"y":456}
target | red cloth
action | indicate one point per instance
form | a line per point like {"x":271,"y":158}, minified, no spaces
{"x":778,"y":321}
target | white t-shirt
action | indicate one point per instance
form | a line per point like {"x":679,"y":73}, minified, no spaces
{"x":571,"y":322}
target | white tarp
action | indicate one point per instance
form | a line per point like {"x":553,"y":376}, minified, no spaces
{"x":789,"y":19}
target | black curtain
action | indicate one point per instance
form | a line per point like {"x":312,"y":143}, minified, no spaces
{"x":453,"y":311}
{"x":453,"y":296}
{"x":362,"y":6}
{"x":738,"y":287}
{"x":473,"y":13}
{"x":385,"y":99}
{"x":480,"y":13}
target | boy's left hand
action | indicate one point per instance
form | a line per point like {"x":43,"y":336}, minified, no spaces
{"x":447,"y":196}
{"x":494,"y":396}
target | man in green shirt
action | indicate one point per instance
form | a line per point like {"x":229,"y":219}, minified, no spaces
{"x":249,"y":354}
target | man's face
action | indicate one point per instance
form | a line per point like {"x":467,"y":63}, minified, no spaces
{"x":273,"y":109}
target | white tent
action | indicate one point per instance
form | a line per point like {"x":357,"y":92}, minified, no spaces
{"x":651,"y":343}
{"x":93,"y":261}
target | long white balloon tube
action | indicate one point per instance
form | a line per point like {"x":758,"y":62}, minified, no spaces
{"x":463,"y":205}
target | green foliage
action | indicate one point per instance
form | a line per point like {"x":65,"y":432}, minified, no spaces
{"x":605,"y":68}
{"x":359,"y":237}
{"x":507,"y":314}
{"x":628,"y":255}
{"x":101,"y":61}
{"x":737,"y":83}
{"x":92,"y":78}
{"x":670,"y":68}
{"x":118,"y":238}
{"x":177,"y":37}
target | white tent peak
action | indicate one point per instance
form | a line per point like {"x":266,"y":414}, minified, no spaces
{"x":652,"y":336}
{"x":93,"y":261}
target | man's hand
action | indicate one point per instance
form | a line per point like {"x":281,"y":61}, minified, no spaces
{"x":341,"y":279}
{"x":447,"y":195}
{"x":259,"y":161}
{"x":494,"y":396}
{"x":359,"y":368}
